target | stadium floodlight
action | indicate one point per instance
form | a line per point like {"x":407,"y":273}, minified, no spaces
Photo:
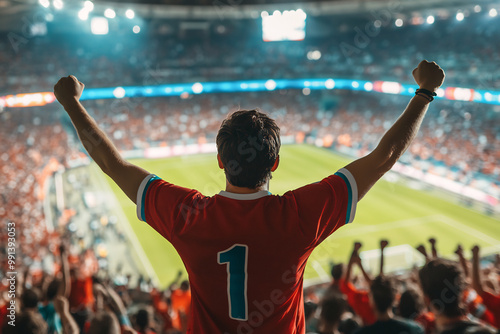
{"x":460,"y":16}
{"x":477,"y":8}
{"x":119,"y":92}
{"x":330,"y":84}
{"x":44,"y":3}
{"x":197,"y":88}
{"x":493,"y":12}
{"x":270,"y":85}
{"x":314,"y":55}
{"x":58,"y":4}
{"x":301,"y":14}
{"x":399,"y":23}
{"x":99,"y":26}
{"x":130,"y":14}
{"x":109,"y":13}
{"x":286,"y":26}
{"x":83,"y":14}
{"x":430,"y":19}
{"x":136,"y":29}
{"x":88,"y":5}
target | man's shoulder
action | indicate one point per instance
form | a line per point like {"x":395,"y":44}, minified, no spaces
{"x":469,"y":327}
{"x":395,"y":326}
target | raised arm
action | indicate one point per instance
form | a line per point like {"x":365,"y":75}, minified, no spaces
{"x":357,"y":260}
{"x":369,"y":169}
{"x":65,"y":286}
{"x":462,"y":260}
{"x":352,"y":260}
{"x":477,"y":284}
{"x":383,"y":245}
{"x":434,"y":251}
{"x":126,"y":175}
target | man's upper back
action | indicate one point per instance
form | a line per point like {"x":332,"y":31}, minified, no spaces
{"x":392,"y":326}
{"x":246,"y":253}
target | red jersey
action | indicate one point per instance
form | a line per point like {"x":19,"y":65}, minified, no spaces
{"x":246,"y":253}
{"x":359,"y":301}
{"x":492,"y":302}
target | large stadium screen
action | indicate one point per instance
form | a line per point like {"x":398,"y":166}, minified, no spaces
{"x":284,"y":26}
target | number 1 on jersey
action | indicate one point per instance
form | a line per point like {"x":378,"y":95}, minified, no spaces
{"x":236,"y":258}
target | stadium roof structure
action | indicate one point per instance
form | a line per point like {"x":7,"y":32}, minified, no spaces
{"x":14,"y":12}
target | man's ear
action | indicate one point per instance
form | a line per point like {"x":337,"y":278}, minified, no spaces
{"x":276,"y":164}
{"x":221,"y":165}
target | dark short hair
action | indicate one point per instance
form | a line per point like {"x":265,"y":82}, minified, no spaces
{"x":53,"y":288}
{"x":337,"y":271}
{"x":332,"y":309}
{"x":443,"y":282}
{"x":26,"y":323}
{"x":410,"y":304}
{"x":30,"y":298}
{"x":383,"y":293}
{"x":309,"y":309}
{"x":248,"y":144}
{"x":142,"y":319}
{"x":104,"y":323}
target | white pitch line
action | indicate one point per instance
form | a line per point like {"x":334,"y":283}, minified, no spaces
{"x":363,"y":229}
{"x":480,"y":235}
{"x":128,"y":229}
{"x":319,"y":269}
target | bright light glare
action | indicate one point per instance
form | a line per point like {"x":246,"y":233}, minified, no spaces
{"x":430,"y":19}
{"x":314,"y":55}
{"x":99,"y":26}
{"x":460,"y":16}
{"x":270,"y":85}
{"x":44,"y":3}
{"x":136,"y":29}
{"x":477,"y":8}
{"x":330,"y":84}
{"x":197,"y":88}
{"x":368,"y":86}
{"x":493,"y":12}
{"x":399,"y":23}
{"x":83,"y":14}
{"x":109,"y":13}
{"x":88,"y":5}
{"x":286,"y":26}
{"x":58,"y":4}
{"x":119,"y":92}
{"x":130,"y":14}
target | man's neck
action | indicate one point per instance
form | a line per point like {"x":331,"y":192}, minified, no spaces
{"x":243,"y":190}
{"x":384,"y":316}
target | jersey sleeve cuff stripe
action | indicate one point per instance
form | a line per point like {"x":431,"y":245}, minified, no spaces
{"x":352,"y":191}
{"x":141,"y":195}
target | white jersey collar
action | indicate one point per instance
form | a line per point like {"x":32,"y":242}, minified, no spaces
{"x":258,"y":194}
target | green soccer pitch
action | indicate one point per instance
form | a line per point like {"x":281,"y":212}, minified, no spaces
{"x":390,"y":210}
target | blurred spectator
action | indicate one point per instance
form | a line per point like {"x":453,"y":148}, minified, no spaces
{"x":382,"y":297}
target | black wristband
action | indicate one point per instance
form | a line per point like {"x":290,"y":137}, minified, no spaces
{"x":428,"y":98}
{"x":427,"y":93}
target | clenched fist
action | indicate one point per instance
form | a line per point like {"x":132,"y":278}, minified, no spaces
{"x":429,"y":75}
{"x":68,"y":90}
